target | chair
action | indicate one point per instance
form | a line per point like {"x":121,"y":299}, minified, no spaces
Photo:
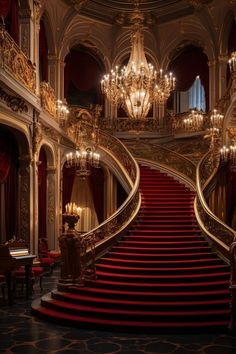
{"x":44,"y":252}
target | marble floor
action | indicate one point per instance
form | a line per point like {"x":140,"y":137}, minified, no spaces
{"x":20,"y":332}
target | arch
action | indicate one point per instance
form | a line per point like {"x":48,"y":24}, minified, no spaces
{"x":82,"y":76}
{"x":225,"y":32}
{"x":50,"y":152}
{"x":49,"y":33}
{"x":47,"y":196}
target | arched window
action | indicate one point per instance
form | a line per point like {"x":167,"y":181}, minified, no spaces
{"x":190,"y":67}
{"x":83,"y":73}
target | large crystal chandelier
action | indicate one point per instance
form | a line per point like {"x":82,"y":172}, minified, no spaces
{"x":138,"y":85}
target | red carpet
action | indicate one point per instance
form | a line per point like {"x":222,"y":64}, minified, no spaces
{"x":161,"y":276}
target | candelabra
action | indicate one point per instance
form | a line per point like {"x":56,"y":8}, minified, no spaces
{"x":194,"y":122}
{"x":62,"y":111}
{"x":232,"y":62}
{"x":71,"y":216}
{"x":216,"y":119}
{"x":228,"y":154}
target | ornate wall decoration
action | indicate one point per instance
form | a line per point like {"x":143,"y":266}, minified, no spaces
{"x":50,"y":132}
{"x":24,"y":197}
{"x":14,"y":61}
{"x":51,"y":194}
{"x":48,"y":100}
{"x":17,"y":104}
{"x":25,"y":38}
{"x":36,"y":136}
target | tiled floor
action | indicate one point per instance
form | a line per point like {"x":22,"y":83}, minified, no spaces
{"x":22,"y":333}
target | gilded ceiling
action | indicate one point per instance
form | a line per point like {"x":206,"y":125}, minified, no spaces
{"x":160,"y":10}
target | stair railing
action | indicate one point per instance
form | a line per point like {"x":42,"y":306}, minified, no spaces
{"x":168,"y":158}
{"x":89,"y":246}
{"x":222,"y":237}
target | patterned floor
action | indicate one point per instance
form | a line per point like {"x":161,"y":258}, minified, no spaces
{"x":22,"y":333}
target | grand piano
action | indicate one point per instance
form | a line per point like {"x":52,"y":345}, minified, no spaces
{"x":12,"y":257}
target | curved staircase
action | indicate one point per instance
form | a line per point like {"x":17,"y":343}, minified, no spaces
{"x":161,"y":276}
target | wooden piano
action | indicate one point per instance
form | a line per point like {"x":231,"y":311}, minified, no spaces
{"x":11,"y":258}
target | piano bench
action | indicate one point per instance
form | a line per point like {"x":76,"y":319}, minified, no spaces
{"x":36,"y":272}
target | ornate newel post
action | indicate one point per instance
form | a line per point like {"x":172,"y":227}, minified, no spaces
{"x":70,"y":245}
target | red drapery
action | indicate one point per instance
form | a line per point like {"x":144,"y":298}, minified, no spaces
{"x":12,"y":20}
{"x":42,"y":194}
{"x":68,"y":181}
{"x":97,"y":188}
{"x":82,"y":79}
{"x":9,"y":176}
{"x":43,"y":53}
{"x":5,"y":6}
{"x":190,"y":63}
{"x":5,"y":156}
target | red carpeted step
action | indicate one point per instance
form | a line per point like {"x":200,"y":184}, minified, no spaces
{"x":159,"y":263}
{"x":168,"y":289}
{"x":161,"y":276}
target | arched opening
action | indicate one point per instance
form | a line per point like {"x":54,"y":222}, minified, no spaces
{"x":87,"y":193}
{"x":83,"y":73}
{"x":190,"y":67}
{"x":9,"y":167}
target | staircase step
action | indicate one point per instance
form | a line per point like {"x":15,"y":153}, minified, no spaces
{"x":160,"y":276}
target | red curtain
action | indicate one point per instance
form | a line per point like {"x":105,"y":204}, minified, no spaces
{"x":97,"y":188}
{"x":5,"y":6}
{"x":5,"y":156}
{"x":68,"y":181}
{"x":9,"y":176}
{"x":14,"y":26}
{"x":186,"y":66}
{"x":82,"y":79}
{"x":12,"y":20}
{"x":43,"y":53}
{"x":42,"y":194}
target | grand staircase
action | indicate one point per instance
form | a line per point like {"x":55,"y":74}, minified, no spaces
{"x":162,"y":276}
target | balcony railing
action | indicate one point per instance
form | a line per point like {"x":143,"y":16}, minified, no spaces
{"x":15,"y":62}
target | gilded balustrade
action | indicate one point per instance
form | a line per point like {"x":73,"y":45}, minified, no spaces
{"x":117,"y":222}
{"x":15,"y":62}
{"x":222,"y":235}
{"x":164,"y":156}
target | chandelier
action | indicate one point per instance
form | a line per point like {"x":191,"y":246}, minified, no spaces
{"x":62,"y":111}
{"x":194,"y":121}
{"x":138,"y":85}
{"x":84,"y":157}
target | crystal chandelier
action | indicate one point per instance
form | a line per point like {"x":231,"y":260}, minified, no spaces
{"x":84,"y":157}
{"x":138,"y":85}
